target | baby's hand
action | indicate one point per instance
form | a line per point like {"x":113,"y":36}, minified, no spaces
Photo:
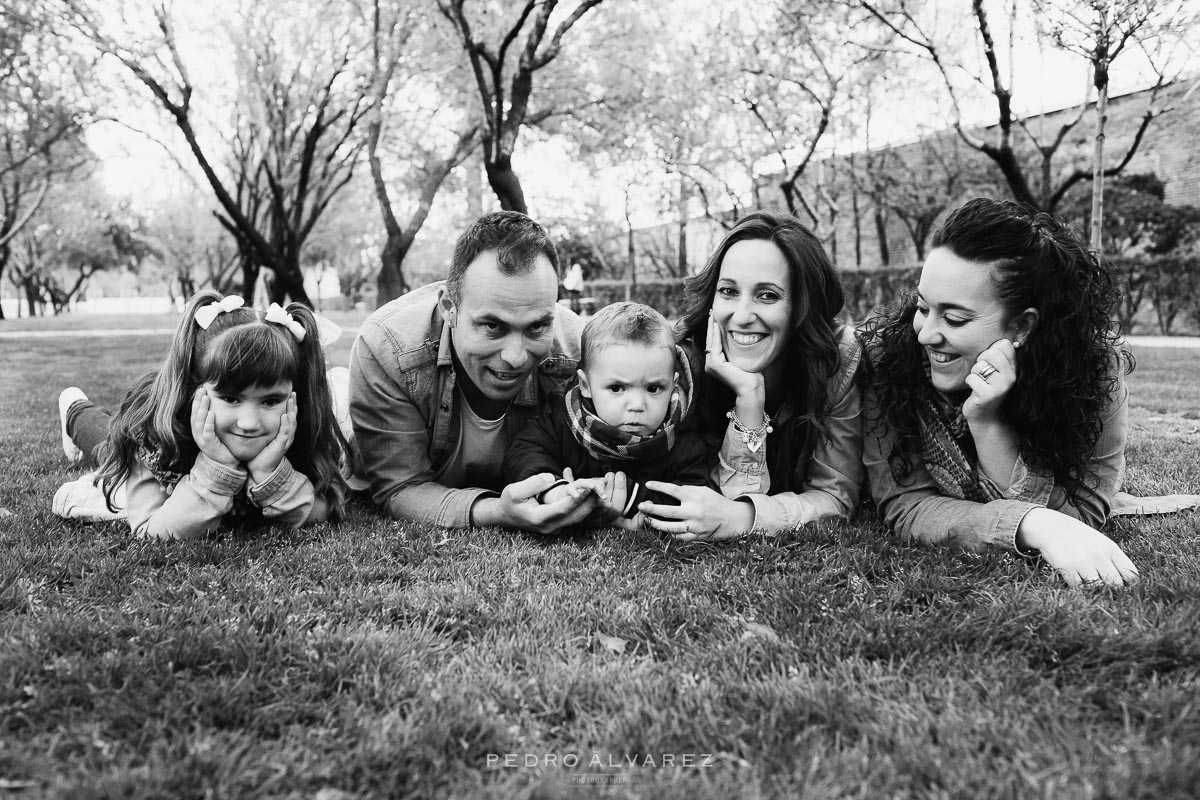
{"x":573,"y":487}
{"x":613,"y":491}
{"x":204,"y":430}
{"x":558,"y":493}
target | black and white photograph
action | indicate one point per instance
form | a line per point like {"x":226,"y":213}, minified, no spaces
{"x":540,"y":399}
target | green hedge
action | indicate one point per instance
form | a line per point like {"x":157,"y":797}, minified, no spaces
{"x":1160,"y":294}
{"x":664,"y":295}
{"x":869,"y":289}
{"x":865,"y":290}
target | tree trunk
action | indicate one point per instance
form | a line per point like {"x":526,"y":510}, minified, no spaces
{"x":31,"y":298}
{"x":833,"y":235}
{"x":682,"y":253}
{"x":1010,"y":168}
{"x":474,"y":186}
{"x":1097,"y":233}
{"x":788,"y":188}
{"x":250,"y":272}
{"x":1046,"y":178}
{"x":5,"y":253}
{"x":187,"y":285}
{"x":856,"y":211}
{"x":631,"y":267}
{"x":506,"y":184}
{"x":289,"y":283}
{"x":921,"y":231}
{"x":885,"y":252}
{"x":390,"y":282}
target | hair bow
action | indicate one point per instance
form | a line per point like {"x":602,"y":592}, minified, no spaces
{"x":277,"y":315}
{"x":206,"y":314}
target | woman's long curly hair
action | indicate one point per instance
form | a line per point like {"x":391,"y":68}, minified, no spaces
{"x":1068,"y":367}
{"x":238,"y":350}
{"x":812,"y":355}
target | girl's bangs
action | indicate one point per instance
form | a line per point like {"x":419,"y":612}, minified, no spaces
{"x":249,"y":355}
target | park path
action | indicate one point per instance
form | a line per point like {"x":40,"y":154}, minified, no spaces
{"x":85,"y":332}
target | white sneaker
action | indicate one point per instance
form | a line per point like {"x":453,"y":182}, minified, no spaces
{"x":82,"y":499}
{"x":65,"y":400}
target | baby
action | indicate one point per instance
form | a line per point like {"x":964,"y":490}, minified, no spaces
{"x":621,"y":415}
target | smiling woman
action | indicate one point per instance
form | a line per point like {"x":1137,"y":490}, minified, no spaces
{"x":777,"y":402}
{"x":995,"y":407}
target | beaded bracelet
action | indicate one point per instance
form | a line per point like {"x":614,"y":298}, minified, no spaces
{"x":752,"y":437}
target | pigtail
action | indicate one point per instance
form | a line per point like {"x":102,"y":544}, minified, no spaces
{"x":319,"y":447}
{"x":171,"y":431}
{"x":154,"y":412}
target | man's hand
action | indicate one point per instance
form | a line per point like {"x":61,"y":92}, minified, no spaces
{"x":518,"y":507}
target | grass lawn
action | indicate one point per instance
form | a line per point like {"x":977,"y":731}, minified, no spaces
{"x":384,"y":659}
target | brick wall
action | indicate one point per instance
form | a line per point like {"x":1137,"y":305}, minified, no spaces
{"x":942,"y":170}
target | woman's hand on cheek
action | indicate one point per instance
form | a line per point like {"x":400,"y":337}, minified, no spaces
{"x":702,"y":514}
{"x":746,"y":385}
{"x":270,"y":457}
{"x":1077,"y":552}
{"x":987,"y":394}
{"x":204,"y":430}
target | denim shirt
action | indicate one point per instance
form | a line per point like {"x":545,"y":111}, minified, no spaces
{"x":404,"y":404}
{"x":916,"y":508}
{"x":830,"y":479}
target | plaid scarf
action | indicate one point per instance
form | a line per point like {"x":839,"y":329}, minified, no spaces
{"x":943,"y":429}
{"x":606,"y":442}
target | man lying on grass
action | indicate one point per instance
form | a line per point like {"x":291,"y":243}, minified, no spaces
{"x":442,"y":378}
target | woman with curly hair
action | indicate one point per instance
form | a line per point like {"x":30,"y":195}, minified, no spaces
{"x":995,"y":407}
{"x":776,"y":396}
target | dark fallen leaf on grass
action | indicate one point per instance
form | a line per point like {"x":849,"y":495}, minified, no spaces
{"x":614,"y":643}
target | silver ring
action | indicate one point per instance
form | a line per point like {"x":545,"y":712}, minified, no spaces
{"x":987,"y":372}
{"x":687,"y":528}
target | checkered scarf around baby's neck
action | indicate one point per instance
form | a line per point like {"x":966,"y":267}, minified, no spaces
{"x":606,"y":442}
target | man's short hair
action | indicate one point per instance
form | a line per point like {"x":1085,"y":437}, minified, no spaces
{"x":620,"y":323}
{"x":516,"y":239}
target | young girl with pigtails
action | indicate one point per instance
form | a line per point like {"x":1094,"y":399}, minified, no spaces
{"x":236,"y":426}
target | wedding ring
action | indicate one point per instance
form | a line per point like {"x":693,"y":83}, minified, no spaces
{"x":687,"y":528}
{"x":987,"y":372}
